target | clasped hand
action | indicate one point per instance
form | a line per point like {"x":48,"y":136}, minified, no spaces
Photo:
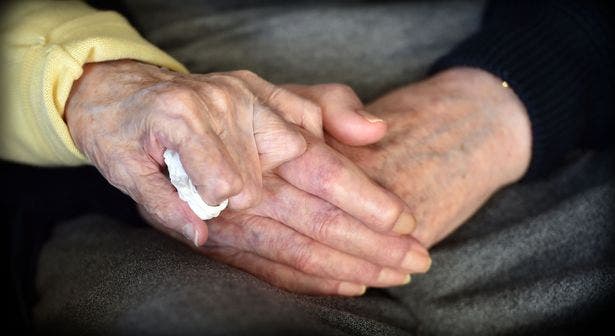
{"x":301,"y":215}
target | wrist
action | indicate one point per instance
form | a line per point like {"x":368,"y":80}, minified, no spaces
{"x":78,"y":100}
{"x":99,"y":85}
{"x":509,"y":147}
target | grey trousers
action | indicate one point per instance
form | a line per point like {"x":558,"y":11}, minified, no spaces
{"x":538,"y":257}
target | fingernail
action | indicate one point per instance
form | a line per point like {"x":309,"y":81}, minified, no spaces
{"x":351,"y":289}
{"x":415,"y":262}
{"x":390,"y":277}
{"x":191,"y":234}
{"x":369,"y":117}
{"x":405,"y":224}
{"x":408,"y":279}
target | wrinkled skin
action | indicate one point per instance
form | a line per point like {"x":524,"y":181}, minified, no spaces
{"x":232,"y":130}
{"x":322,"y":227}
{"x":228,"y":128}
{"x":453,"y":140}
{"x":304,"y":243}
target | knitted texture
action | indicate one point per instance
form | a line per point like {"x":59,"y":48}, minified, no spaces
{"x":45,"y":45}
{"x":558,"y":58}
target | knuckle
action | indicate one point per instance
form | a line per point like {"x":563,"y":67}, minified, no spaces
{"x":236,"y":90}
{"x":304,"y":258}
{"x":324,"y":222}
{"x":340,"y":89}
{"x":227,"y":185}
{"x":216,"y":92}
{"x":218,"y":96}
{"x":244,"y":74}
{"x":175,"y":97}
{"x":233,"y":81}
{"x":178,"y":103}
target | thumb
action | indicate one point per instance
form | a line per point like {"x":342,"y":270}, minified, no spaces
{"x":344,"y":116}
{"x":276,"y":140}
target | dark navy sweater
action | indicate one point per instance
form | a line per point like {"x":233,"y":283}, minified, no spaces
{"x":558,"y":58}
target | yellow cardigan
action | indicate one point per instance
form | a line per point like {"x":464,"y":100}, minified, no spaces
{"x":44,"y":46}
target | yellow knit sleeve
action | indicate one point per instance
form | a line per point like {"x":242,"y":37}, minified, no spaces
{"x":44,"y":46}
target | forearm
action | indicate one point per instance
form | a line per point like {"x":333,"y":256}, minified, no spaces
{"x":44,"y":45}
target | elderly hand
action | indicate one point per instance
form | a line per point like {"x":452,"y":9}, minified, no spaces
{"x":453,"y":140}
{"x":322,"y":226}
{"x":228,"y":128}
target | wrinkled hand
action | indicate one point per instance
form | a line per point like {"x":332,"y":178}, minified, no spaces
{"x":453,"y":140}
{"x":323,"y":227}
{"x":229,"y":128}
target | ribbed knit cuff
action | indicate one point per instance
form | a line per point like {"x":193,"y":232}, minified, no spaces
{"x":544,"y":60}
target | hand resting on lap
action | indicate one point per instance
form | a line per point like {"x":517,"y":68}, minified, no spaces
{"x":225,"y":126}
{"x":319,"y":217}
{"x":322,"y":226}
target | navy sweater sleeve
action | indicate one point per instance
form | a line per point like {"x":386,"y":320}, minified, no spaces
{"x":558,"y":58}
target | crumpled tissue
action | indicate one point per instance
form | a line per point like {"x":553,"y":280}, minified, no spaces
{"x":186,"y":190}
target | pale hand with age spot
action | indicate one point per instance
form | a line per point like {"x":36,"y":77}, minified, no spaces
{"x":226,"y":127}
{"x":454,"y":140}
{"x":187,"y":191}
{"x":323,"y":237}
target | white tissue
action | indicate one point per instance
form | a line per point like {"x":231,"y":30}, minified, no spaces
{"x":186,"y":190}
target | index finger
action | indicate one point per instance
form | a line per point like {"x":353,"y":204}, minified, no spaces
{"x":292,"y":107}
{"x":323,"y":172}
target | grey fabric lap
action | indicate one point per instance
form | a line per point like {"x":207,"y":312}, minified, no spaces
{"x":536,"y":255}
